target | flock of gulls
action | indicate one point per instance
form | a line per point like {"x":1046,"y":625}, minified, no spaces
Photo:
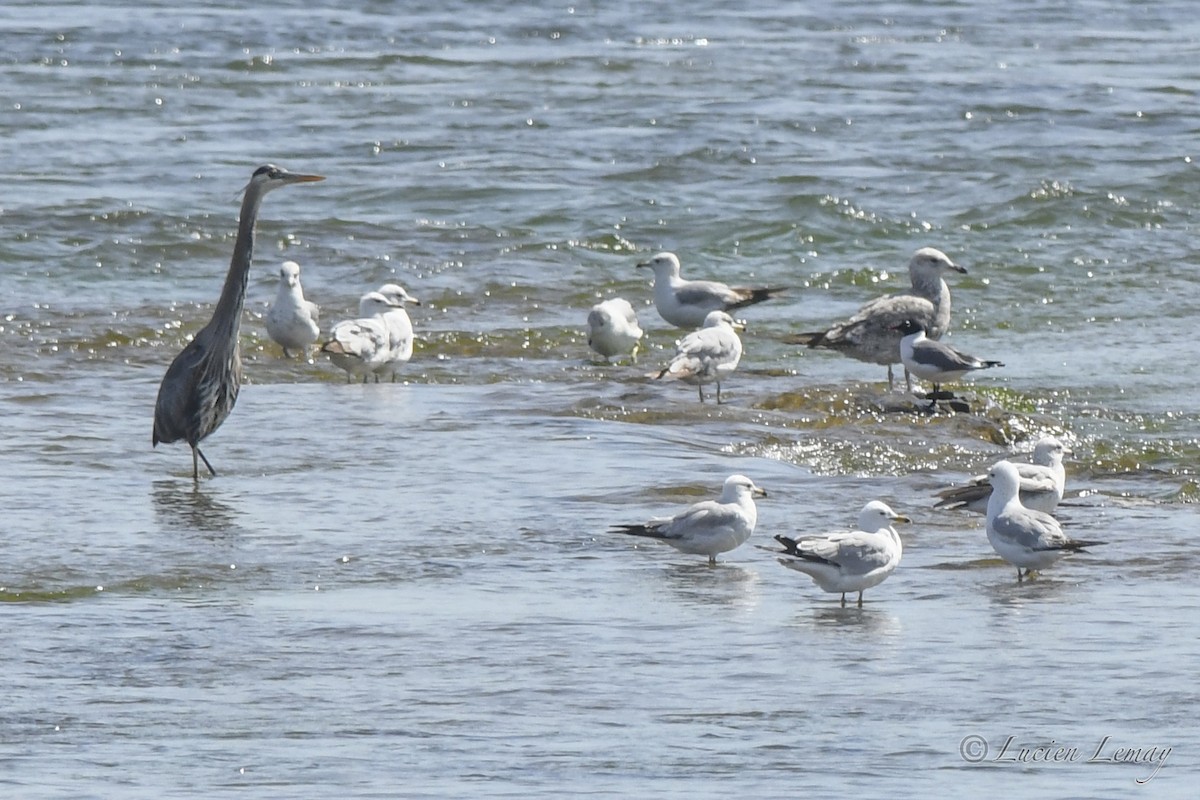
{"x":1018,"y":500}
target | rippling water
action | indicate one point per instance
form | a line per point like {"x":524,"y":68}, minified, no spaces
{"x":408,"y":589}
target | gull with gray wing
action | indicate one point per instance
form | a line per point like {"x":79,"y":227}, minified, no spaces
{"x":708,"y":355}
{"x":1042,"y":482}
{"x":686,"y":304}
{"x":708,"y":527}
{"x":1029,"y":540}
{"x":934,"y":361}
{"x":850,"y":561}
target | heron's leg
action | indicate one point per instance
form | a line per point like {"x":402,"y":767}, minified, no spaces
{"x":195,"y":467}
{"x":195,"y":470}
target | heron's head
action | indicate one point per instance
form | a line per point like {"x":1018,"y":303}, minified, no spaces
{"x":269,"y":176}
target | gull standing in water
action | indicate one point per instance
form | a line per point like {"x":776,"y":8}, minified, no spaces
{"x":201,"y":385}
{"x":1027,"y":539}
{"x":292,"y":321}
{"x":362,"y":346}
{"x":686,"y":304}
{"x":613,"y":328}
{"x":870,"y":336}
{"x":934,"y":361}
{"x":707,"y":355}
{"x":1042,"y":482}
{"x":400,"y":330}
{"x":850,"y":561}
{"x":708,"y":527}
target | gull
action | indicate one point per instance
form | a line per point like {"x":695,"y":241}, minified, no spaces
{"x":850,"y":561}
{"x":869,"y":335}
{"x":1042,"y":482}
{"x":400,"y":330}
{"x":362,"y":346}
{"x":613,"y":328}
{"x":292,"y":321}
{"x":686,"y":304}
{"x":707,"y":355}
{"x":934,"y":361}
{"x":1027,"y":539}
{"x":708,"y":527}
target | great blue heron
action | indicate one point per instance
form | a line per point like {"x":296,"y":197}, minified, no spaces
{"x":201,"y":385}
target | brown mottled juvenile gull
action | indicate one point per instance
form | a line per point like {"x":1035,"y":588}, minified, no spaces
{"x":869,"y":335}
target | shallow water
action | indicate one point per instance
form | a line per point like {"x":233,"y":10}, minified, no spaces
{"x":409,"y":589}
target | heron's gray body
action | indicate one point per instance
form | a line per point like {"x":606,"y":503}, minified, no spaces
{"x":201,"y":386}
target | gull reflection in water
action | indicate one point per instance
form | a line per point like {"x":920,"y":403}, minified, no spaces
{"x":723,"y":584}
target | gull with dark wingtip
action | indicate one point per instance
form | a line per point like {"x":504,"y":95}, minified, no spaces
{"x":685,"y":304}
{"x":1029,"y":540}
{"x":708,"y":527}
{"x":852,"y":561}
{"x":1042,"y":482}
{"x":201,"y":385}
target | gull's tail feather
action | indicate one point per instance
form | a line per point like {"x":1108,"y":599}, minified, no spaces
{"x":1078,"y":545}
{"x":793,"y":549}
{"x":750,"y":296}
{"x":649,"y":531}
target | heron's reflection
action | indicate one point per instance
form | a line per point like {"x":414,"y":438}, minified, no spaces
{"x":190,"y":507}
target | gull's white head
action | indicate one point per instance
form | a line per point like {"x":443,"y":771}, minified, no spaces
{"x":717,"y":318}
{"x":289,"y":273}
{"x":1049,"y":451}
{"x":396,"y":294}
{"x":931,"y":261}
{"x":737,"y":485}
{"x":877,"y":515}
{"x":1005,"y":479}
{"x":664,"y":265}
{"x":373,"y":303}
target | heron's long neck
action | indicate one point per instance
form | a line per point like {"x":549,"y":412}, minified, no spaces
{"x":228,"y":313}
